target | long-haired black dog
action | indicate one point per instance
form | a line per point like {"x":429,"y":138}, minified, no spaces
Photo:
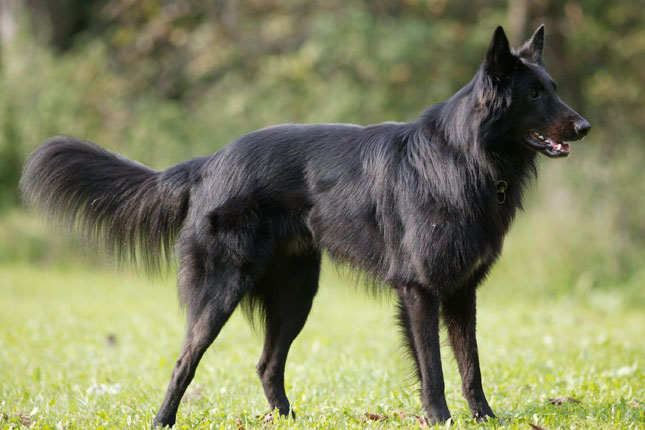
{"x":422,"y":206}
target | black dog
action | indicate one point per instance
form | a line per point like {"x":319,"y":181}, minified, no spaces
{"x":421,"y":206}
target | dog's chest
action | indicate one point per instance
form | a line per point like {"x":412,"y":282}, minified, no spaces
{"x":446,"y":251}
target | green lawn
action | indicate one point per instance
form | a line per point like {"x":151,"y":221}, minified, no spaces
{"x":89,"y":348}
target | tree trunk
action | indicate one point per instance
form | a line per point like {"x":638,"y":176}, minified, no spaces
{"x":516,"y":19}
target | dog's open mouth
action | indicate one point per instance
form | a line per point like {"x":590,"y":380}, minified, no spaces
{"x":546,"y":145}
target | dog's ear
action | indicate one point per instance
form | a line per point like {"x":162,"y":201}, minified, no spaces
{"x":499,"y":58}
{"x":532,"y":49}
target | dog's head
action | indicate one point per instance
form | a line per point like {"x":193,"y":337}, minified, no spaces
{"x":536,"y":117}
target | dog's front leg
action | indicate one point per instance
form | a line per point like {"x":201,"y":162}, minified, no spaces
{"x":459,"y":316}
{"x":419,"y":313}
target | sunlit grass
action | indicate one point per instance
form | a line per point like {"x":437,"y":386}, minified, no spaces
{"x":84,"y":347}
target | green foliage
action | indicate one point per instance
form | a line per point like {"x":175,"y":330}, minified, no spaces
{"x":10,"y":161}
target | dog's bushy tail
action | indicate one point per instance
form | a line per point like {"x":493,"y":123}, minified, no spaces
{"x":134,"y":211}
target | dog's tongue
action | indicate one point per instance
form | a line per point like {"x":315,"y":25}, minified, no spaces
{"x":558,"y":146}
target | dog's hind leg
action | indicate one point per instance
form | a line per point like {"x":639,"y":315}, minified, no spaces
{"x":459,"y":314}
{"x":419,"y":315}
{"x":286,"y":293}
{"x":215,"y":294}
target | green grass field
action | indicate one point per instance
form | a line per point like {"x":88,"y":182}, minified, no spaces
{"x":83,"y":347}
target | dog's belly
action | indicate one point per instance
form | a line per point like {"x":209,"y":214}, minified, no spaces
{"x":350,"y":234}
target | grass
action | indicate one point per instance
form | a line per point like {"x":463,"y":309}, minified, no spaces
{"x":89,"y":348}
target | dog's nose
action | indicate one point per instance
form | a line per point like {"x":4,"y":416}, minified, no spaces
{"x":582,"y":127}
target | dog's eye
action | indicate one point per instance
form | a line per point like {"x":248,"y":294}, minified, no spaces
{"x":534,"y":94}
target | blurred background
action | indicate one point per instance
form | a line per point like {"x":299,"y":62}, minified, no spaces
{"x":161,"y":81}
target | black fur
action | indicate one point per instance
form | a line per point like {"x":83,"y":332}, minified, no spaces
{"x":421,"y":206}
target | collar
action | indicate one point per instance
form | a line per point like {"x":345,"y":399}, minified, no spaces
{"x":500,"y":188}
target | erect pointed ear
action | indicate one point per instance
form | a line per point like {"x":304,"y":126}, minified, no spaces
{"x":499,"y":59}
{"x":532,"y":49}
